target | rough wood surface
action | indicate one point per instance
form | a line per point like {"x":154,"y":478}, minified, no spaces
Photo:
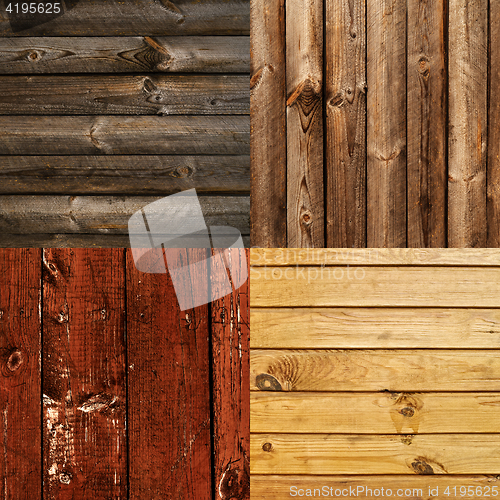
{"x":20,"y":382}
{"x":345,"y":109}
{"x":169,"y":391}
{"x":375,"y":413}
{"x":427,"y":123}
{"x":304,"y":128}
{"x":118,"y":174}
{"x":84,"y":383}
{"x":354,"y":328}
{"x":386,"y":127}
{"x":268,"y":124}
{"x":231,"y":386}
{"x":87,"y":135}
{"x":467,"y":135}
{"x":133,"y":17}
{"x":204,"y":54}
{"x":375,"y":370}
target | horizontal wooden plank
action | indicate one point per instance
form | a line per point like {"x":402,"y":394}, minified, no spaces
{"x":375,"y":413}
{"x":344,"y":328}
{"x":381,"y":454}
{"x":133,"y":17}
{"x":406,"y":487}
{"x":375,"y":370}
{"x":125,"y":94}
{"x":375,"y":286}
{"x":201,"y":54}
{"x":104,"y":214}
{"x":117,"y":174}
{"x":88,"y":135}
{"x":260,"y":257}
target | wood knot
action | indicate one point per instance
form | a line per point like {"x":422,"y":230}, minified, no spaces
{"x":336,"y":101}
{"x":422,"y":467}
{"x":423,"y":67}
{"x":306,"y":218}
{"x":266,"y":382}
{"x":267,"y":447}
{"x":65,"y":477}
{"x":34,"y":56}
{"x":182,"y":172}
{"x":234,"y":484}
{"x":15,"y":360}
{"x":408,"y":411}
{"x":407,"y":439}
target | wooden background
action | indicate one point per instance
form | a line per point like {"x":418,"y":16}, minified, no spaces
{"x":113,"y":105}
{"x":375,"y":123}
{"x":107,"y":390}
{"x":374,"y":367}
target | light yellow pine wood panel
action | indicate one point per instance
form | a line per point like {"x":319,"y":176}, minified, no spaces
{"x":302,"y":328}
{"x":375,"y":286}
{"x":380,"y":454}
{"x":376,"y":370}
{"x":406,"y":487}
{"x":374,"y":257}
{"x":375,"y":413}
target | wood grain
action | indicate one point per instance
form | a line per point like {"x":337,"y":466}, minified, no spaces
{"x":427,"y":123}
{"x":93,"y":54}
{"x":375,"y":370}
{"x":169,"y":391}
{"x":304,"y":127}
{"x":125,"y":175}
{"x":86,"y":135}
{"x":386,"y":126}
{"x":268,"y":124}
{"x":345,"y":110}
{"x":84,"y":391}
{"x":375,"y":413}
{"x":467,"y":136}
{"x":20,"y":382}
{"x":354,"y":328}
{"x":335,"y":454}
{"x":134,"y":17}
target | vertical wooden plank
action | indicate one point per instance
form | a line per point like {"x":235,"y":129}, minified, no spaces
{"x":169,"y":390}
{"x":84,"y":393}
{"x":426,"y":126}
{"x":468,"y":30}
{"x":493,"y":187}
{"x":20,"y":405}
{"x":268,"y":124}
{"x":345,"y":83}
{"x":386,"y":128}
{"x":304,"y":87}
{"x":231,"y":389}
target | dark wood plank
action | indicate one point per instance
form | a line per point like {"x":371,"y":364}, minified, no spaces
{"x":304,"y":80}
{"x":87,"y":135}
{"x":133,"y":17}
{"x":467,"y":133}
{"x":268,"y":124}
{"x":20,"y":385}
{"x":104,"y":214}
{"x":169,"y":391}
{"x":386,"y":128}
{"x":125,"y":95}
{"x":493,"y":177}
{"x":231,"y":388}
{"x":118,"y":174}
{"x":345,"y":109}
{"x":203,"y":54}
{"x":84,"y":392}
{"x":426,"y":123}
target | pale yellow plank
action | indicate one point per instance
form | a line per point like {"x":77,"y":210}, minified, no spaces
{"x":364,"y":370}
{"x":337,"y":454}
{"x":338,"y":328}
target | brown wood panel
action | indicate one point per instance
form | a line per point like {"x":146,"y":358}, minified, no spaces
{"x":467,"y":131}
{"x":427,"y":123}
{"x":345,"y":110}
{"x":204,"y":54}
{"x":169,"y":390}
{"x":304,"y":133}
{"x":268,"y":124}
{"x":87,"y":135}
{"x":20,"y":383}
{"x":386,"y":123}
{"x":84,"y":384}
